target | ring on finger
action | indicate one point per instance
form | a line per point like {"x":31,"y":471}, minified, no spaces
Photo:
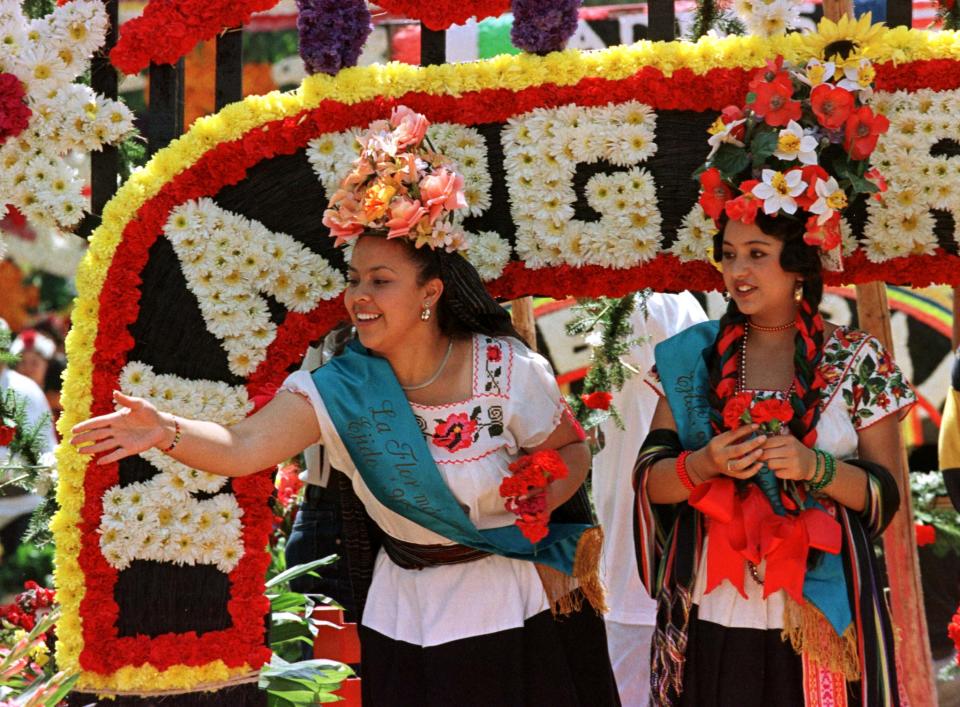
{"x":729,"y":464}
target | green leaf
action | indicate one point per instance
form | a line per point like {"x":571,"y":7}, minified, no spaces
{"x":286,"y":601}
{"x":763,"y":145}
{"x":731,"y":160}
{"x":300,"y":570}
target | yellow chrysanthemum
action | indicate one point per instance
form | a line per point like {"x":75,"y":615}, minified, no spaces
{"x":847,"y":37}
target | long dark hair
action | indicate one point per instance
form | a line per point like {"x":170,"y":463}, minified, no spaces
{"x":465,"y":307}
{"x":803,"y":259}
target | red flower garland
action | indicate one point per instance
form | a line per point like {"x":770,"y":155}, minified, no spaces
{"x":227,"y":163}
{"x":169,"y":29}
{"x":440,"y":14}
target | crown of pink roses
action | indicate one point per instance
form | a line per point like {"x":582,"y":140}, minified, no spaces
{"x":399,"y":187}
{"x":800,"y":148}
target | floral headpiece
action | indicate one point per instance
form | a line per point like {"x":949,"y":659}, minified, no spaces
{"x":800,"y":148}
{"x":400,"y":187}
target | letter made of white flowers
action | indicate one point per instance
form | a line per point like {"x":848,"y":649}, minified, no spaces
{"x":542,"y":149}
{"x":161,"y":519}
{"x":918,"y":181}
{"x":229,"y":260}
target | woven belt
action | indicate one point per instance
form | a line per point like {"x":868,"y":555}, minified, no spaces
{"x":411,"y":556}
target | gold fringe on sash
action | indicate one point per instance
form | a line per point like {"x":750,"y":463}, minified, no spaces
{"x":811,"y":634}
{"x":566,"y":593}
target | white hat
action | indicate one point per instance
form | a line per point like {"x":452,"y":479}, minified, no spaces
{"x":33,"y":340}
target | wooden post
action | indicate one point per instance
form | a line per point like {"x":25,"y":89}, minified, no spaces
{"x":229,"y":77}
{"x":899,"y":540}
{"x":521,"y":312}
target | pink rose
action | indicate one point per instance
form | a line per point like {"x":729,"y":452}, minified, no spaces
{"x":409,"y":126}
{"x":343,"y":217}
{"x":442,"y":190}
{"x":404,"y":215}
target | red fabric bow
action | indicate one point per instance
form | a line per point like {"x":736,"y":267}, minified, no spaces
{"x":743,"y":527}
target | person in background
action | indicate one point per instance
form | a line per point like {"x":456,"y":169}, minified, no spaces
{"x":52,"y":384}
{"x":35,"y":351}
{"x":633,"y":613}
{"x":16,"y":505}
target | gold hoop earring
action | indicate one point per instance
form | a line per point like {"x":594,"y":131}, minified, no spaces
{"x":425,"y":313}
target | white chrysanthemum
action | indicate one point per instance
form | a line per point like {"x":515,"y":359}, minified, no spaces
{"x":489,"y":254}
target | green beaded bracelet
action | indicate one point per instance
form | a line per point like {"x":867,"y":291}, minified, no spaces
{"x":829,"y":470}
{"x":818,"y":470}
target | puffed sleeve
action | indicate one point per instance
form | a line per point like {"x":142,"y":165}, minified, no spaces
{"x":875,"y":386}
{"x":536,"y":405}
{"x":302,"y":384}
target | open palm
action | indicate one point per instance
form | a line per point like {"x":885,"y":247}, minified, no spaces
{"x":132,"y":429}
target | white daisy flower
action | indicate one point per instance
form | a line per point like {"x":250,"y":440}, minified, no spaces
{"x":777,"y":190}
{"x":794,"y":144}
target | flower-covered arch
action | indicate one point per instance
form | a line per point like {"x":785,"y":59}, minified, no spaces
{"x":172,"y":307}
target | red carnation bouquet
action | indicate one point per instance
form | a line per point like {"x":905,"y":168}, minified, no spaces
{"x":772,"y":416}
{"x":525,"y":491}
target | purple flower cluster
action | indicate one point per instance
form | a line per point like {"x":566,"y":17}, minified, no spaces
{"x":543,"y":26}
{"x":332,"y":33}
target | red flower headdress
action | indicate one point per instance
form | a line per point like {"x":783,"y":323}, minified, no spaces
{"x":399,"y":186}
{"x":800,"y":148}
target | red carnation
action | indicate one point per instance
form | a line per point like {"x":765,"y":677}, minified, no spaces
{"x":771,"y":409}
{"x":926,"y":534}
{"x":525,"y":491}
{"x":736,"y":409}
{"x":832,"y":105}
{"x":14,"y":112}
{"x":775,"y":105}
{"x":7,"y":433}
{"x":714,"y":193}
{"x":863,"y":129}
{"x":599,"y":400}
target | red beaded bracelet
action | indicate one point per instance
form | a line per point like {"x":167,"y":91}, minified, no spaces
{"x":176,"y":436}
{"x":682,"y":471}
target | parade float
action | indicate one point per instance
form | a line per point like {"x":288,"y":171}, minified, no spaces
{"x":210,"y":272}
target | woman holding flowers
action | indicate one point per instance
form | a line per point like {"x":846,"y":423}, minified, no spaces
{"x":427,"y":414}
{"x":761,"y":484}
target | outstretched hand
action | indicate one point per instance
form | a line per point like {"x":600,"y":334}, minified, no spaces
{"x":135,"y":427}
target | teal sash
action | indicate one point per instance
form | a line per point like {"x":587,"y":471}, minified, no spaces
{"x":377,"y":426}
{"x":682,"y":366}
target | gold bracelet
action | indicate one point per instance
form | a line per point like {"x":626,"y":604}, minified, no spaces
{"x":176,"y":436}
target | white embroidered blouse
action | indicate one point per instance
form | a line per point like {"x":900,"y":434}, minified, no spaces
{"x":863,"y":386}
{"x":515,"y":404}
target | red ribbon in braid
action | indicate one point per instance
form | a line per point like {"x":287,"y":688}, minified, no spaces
{"x":807,"y":380}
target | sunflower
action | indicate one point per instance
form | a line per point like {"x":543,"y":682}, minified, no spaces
{"x":848,"y":37}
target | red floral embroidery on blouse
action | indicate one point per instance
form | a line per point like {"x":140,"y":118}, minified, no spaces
{"x":493,"y":353}
{"x":455,"y":433}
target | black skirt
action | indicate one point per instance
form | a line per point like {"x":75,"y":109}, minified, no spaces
{"x":558,"y":662}
{"x":742,"y":666}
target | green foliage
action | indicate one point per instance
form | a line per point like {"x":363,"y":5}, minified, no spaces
{"x":926,"y":488}
{"x":28,"y":561}
{"x":34,"y":9}
{"x":610,"y":319}
{"x":289,"y":681}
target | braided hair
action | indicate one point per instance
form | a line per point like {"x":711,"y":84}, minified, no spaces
{"x":808,"y":383}
{"x":465,"y":307}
